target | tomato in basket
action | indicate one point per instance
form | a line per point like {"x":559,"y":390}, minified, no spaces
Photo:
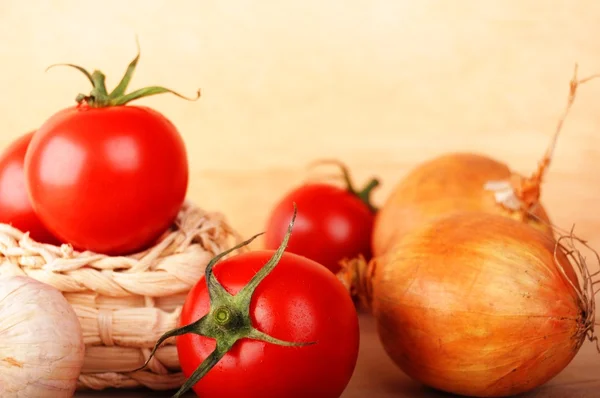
{"x":105,"y":175}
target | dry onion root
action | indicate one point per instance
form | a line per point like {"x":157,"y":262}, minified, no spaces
{"x":479,"y":304}
{"x":466,"y":182}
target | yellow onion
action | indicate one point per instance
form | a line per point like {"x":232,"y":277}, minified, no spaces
{"x":479,"y":304}
{"x":466,"y":182}
{"x":449,"y":183}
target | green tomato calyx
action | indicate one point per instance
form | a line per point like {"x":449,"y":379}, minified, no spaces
{"x":228,"y":319}
{"x":99,"y":97}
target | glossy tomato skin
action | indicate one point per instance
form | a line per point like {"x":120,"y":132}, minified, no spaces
{"x":109,"y":180}
{"x":298,"y":301}
{"x":332,"y":224}
{"x":15,"y":206}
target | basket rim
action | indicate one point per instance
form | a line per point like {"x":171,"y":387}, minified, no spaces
{"x":173,"y":263}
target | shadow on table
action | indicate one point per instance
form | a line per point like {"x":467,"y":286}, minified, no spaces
{"x":409,"y":388}
{"x":133,"y":393}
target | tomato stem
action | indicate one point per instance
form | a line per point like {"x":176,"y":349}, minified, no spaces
{"x":99,"y":96}
{"x":228,"y":319}
{"x":223,"y":316}
{"x":364,"y":194}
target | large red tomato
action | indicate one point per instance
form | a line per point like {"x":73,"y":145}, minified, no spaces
{"x":109,"y":180}
{"x":299,"y":301}
{"x":333,"y":223}
{"x":104,"y":175}
{"x":15,"y":206}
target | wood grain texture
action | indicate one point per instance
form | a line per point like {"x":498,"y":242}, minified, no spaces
{"x":380,"y":84}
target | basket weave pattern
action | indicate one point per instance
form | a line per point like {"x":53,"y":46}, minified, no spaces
{"x":124,"y":304}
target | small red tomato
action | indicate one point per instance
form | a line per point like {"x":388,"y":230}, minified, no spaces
{"x":106,"y":176}
{"x":15,"y":206}
{"x":299,"y":301}
{"x":333,"y":223}
{"x":266,"y":324}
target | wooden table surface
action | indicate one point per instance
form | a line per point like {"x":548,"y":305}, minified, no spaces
{"x":377,"y":377}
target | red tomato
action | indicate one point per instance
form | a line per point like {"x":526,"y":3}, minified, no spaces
{"x":15,"y":206}
{"x":333,"y":223}
{"x":299,"y":301}
{"x":109,"y":179}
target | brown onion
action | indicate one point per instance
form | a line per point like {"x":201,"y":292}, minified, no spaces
{"x":479,"y":304}
{"x":449,"y":183}
{"x":465,"y":182}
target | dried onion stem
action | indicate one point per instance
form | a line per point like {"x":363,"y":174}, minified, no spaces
{"x":521,"y":193}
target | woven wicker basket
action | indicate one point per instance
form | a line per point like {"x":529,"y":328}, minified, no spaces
{"x":124,"y":304}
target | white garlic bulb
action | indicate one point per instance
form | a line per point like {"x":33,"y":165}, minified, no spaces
{"x":41,"y":341}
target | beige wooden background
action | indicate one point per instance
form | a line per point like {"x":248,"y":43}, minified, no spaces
{"x":379,"y":84}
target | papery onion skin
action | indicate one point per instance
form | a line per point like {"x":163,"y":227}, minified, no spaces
{"x":442,"y":185}
{"x":474,"y":304}
{"x":41,"y":341}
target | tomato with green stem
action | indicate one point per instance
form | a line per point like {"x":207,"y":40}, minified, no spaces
{"x":107,"y":176}
{"x":266,"y":324}
{"x":333,"y":224}
{"x":15,"y":206}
